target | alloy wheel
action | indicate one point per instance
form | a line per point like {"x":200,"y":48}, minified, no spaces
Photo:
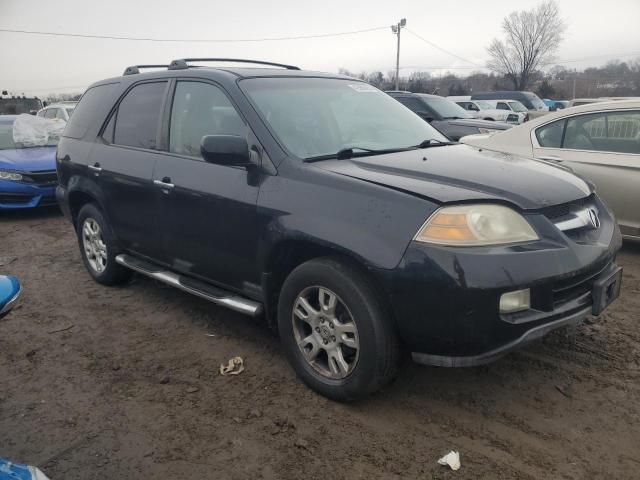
{"x":326,"y":332}
{"x":94,"y":247}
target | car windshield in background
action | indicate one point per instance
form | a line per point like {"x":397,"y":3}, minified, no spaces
{"x":517,"y":106}
{"x":320,"y":116}
{"x":69,"y":111}
{"x":535,"y":100}
{"x":6,"y":136}
{"x":28,"y":131}
{"x":484,"y":105}
{"x":447,"y":109}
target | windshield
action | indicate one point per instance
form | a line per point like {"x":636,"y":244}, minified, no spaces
{"x":535,"y":101}
{"x":321,"y":116}
{"x":446,"y":108}
{"x":517,"y":106}
{"x":69,"y":111}
{"x":484,"y":105}
{"x":27,"y":131}
{"x":6,"y":136}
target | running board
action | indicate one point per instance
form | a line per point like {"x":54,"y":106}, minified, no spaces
{"x":192,"y":286}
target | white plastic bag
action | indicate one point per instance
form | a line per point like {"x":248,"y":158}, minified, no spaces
{"x":32,"y":131}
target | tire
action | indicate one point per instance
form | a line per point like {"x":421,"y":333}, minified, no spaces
{"x":102,"y":267}
{"x":328,"y":337}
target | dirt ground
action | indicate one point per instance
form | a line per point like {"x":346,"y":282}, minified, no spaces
{"x":122,"y":383}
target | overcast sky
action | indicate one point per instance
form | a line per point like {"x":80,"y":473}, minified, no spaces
{"x":41,"y":64}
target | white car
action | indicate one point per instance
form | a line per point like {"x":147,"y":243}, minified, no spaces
{"x":61,"y":111}
{"x":600,"y":141}
{"x":486,"y":111}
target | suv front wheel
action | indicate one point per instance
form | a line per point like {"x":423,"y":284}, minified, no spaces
{"x":335,"y":329}
{"x":98,"y":247}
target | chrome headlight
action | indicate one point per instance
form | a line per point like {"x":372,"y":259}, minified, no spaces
{"x":10,"y":176}
{"x":475,"y":225}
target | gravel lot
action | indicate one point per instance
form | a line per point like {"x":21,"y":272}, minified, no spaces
{"x":123,"y":383}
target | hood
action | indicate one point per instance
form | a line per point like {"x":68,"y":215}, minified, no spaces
{"x":460,"y":173}
{"x":33,"y":159}
{"x":475,"y":122}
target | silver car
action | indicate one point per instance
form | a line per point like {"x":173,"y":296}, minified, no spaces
{"x":600,"y":141}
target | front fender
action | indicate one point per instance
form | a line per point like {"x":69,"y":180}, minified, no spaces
{"x":370,"y":222}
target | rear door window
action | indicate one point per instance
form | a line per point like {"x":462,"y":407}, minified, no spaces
{"x":138,"y":116}
{"x":623,"y":133}
{"x":584,"y":132}
{"x":201,"y":109}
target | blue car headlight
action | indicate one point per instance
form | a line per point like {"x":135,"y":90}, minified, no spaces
{"x":4,"y":175}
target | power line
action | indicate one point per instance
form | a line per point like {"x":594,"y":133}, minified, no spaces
{"x":442,"y":49}
{"x":185,"y":40}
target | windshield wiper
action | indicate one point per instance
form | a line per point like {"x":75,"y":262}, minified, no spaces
{"x":432,"y":142}
{"x":350,"y":152}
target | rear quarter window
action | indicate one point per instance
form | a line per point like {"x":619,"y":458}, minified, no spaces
{"x":91,"y":111}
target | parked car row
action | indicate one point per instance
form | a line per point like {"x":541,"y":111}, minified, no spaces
{"x":510,"y":111}
{"x":356,"y":227}
{"x":446,"y":116}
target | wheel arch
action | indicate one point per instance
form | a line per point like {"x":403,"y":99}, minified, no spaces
{"x":288,"y":254}
{"x":80,"y":193}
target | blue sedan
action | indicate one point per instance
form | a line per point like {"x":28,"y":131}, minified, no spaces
{"x":27,"y":173}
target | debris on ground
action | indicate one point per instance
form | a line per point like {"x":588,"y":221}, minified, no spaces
{"x":192,"y":389}
{"x":62,"y":329}
{"x":452,"y":459}
{"x":234,"y":367}
{"x":10,"y":471}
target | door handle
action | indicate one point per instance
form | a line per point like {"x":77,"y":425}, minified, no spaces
{"x":95,"y":167}
{"x":164,"y":184}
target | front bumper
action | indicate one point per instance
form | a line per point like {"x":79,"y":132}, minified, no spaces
{"x":445,"y":301}
{"x":16,"y":195}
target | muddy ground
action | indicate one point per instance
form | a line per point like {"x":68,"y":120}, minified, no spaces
{"x":122,"y":383}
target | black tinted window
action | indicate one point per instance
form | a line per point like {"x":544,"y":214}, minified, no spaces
{"x":138,"y":116}
{"x":93,"y":108}
{"x":201,"y":109}
{"x":412,"y":103}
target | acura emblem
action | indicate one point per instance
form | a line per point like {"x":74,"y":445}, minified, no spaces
{"x":593,"y":218}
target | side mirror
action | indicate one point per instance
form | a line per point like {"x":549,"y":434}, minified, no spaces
{"x":44,"y":104}
{"x":9,"y":293}
{"x":225,"y":150}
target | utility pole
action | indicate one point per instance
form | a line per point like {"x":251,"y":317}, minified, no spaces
{"x":396,"y":31}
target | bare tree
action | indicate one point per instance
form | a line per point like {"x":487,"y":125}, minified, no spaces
{"x":531,"y":39}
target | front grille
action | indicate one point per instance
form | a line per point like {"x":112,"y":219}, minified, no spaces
{"x":42,"y":179}
{"x":15,"y":198}
{"x":557,"y":212}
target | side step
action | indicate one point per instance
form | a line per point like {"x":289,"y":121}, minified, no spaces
{"x":189,"y":285}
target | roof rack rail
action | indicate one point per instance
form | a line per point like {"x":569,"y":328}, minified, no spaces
{"x":135,"y":69}
{"x":182,"y":64}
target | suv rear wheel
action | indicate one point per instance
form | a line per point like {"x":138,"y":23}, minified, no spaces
{"x":99,"y":248}
{"x":336,"y":331}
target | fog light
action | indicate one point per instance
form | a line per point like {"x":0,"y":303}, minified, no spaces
{"x":515,"y":301}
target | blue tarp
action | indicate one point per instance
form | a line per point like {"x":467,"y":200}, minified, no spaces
{"x":16,"y":471}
